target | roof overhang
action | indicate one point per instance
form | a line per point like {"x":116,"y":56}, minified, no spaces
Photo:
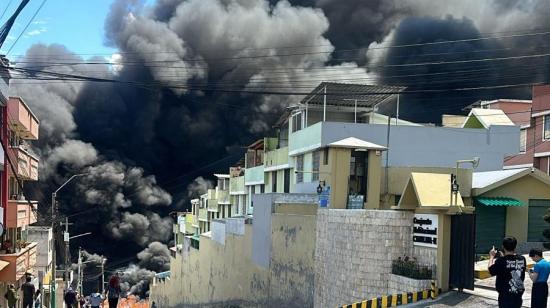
{"x":356,"y":143}
{"x":3,"y":264}
{"x":497,"y":201}
{"x":537,"y":174}
{"x":430,"y":191}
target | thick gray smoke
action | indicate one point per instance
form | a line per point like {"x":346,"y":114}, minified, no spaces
{"x":135,"y":280}
{"x":148,"y":148}
{"x":198,"y":187}
{"x":155,"y":257}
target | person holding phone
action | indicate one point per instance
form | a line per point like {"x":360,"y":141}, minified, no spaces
{"x":510,"y":271}
{"x":539,"y":275}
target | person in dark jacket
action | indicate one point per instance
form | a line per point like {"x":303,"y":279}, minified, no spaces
{"x":11,"y":296}
{"x":28,"y":292}
{"x":70,"y":298}
{"x":113,"y":291}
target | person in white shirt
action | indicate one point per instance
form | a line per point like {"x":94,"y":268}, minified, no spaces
{"x":96,"y":299}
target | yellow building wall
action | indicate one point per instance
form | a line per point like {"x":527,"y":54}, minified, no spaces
{"x":522,"y":189}
{"x":373,"y":186}
{"x":225,"y":274}
{"x":336,"y":175}
{"x":399,"y":176}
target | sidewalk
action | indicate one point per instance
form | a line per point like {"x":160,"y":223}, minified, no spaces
{"x":455,"y":299}
{"x":486,"y":287}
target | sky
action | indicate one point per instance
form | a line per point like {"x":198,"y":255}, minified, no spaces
{"x":77,"y":24}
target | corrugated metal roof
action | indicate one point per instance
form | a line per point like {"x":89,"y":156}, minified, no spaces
{"x":497,"y":201}
{"x":484,"y":179}
{"x":344,"y":94}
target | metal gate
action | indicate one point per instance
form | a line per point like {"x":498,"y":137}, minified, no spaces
{"x":461,"y":271}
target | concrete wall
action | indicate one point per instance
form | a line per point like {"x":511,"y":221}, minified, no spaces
{"x":261,"y":236}
{"x":225,"y":275}
{"x":354,"y":252}
{"x":399,"y":284}
{"x":218,"y":231}
{"x":432,"y":146}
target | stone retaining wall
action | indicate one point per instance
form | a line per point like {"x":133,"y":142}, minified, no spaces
{"x":354,"y":252}
{"x":401,"y":284}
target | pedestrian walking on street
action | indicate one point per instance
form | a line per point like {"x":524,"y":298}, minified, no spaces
{"x":28,"y":292}
{"x":510,"y":271}
{"x":96,"y":299}
{"x":113,"y":291}
{"x":38,"y":299}
{"x":11,"y":296}
{"x":70,"y":298}
{"x":539,"y":275}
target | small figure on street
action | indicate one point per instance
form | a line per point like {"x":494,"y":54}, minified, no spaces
{"x":28,"y":292}
{"x":96,"y":299}
{"x":539,"y":275}
{"x":38,"y":299}
{"x":510,"y":271}
{"x":153,"y":305}
{"x":81,"y":300}
{"x":113,"y":291}
{"x":11,"y":296}
{"x":70,"y":298}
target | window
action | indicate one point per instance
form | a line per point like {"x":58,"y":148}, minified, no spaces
{"x":274,"y":181}
{"x":300,"y":168}
{"x":286,"y":188}
{"x":297,"y":122}
{"x":262,"y":188}
{"x":325,"y":156}
{"x":546,"y":133}
{"x":523,"y":140}
{"x":315,"y":165}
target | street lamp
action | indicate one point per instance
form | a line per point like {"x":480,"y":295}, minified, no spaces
{"x":54,"y":195}
{"x":454,"y":178}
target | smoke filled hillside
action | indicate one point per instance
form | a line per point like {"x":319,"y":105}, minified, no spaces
{"x":182,"y":104}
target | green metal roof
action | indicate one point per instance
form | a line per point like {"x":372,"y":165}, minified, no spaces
{"x":497,"y":201}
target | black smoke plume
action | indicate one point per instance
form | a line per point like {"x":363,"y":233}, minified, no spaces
{"x":143,"y":145}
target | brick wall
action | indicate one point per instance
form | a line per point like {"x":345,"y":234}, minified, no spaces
{"x":354,"y":252}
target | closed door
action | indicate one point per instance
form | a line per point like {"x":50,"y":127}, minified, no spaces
{"x":537,"y":209}
{"x":490,"y":227}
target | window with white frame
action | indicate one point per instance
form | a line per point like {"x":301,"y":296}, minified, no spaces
{"x":315,"y":165}
{"x":546,"y":132}
{"x":300,"y":168}
{"x":523,"y":140}
{"x":297,"y":122}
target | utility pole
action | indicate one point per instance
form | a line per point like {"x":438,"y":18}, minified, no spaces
{"x":79,"y":285}
{"x":103,"y":260}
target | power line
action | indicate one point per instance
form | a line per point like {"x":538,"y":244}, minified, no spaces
{"x":28,"y":24}
{"x":7,"y":6}
{"x":286,"y":93}
{"x":519,"y":35}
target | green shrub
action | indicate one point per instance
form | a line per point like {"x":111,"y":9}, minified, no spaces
{"x":409,"y":267}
